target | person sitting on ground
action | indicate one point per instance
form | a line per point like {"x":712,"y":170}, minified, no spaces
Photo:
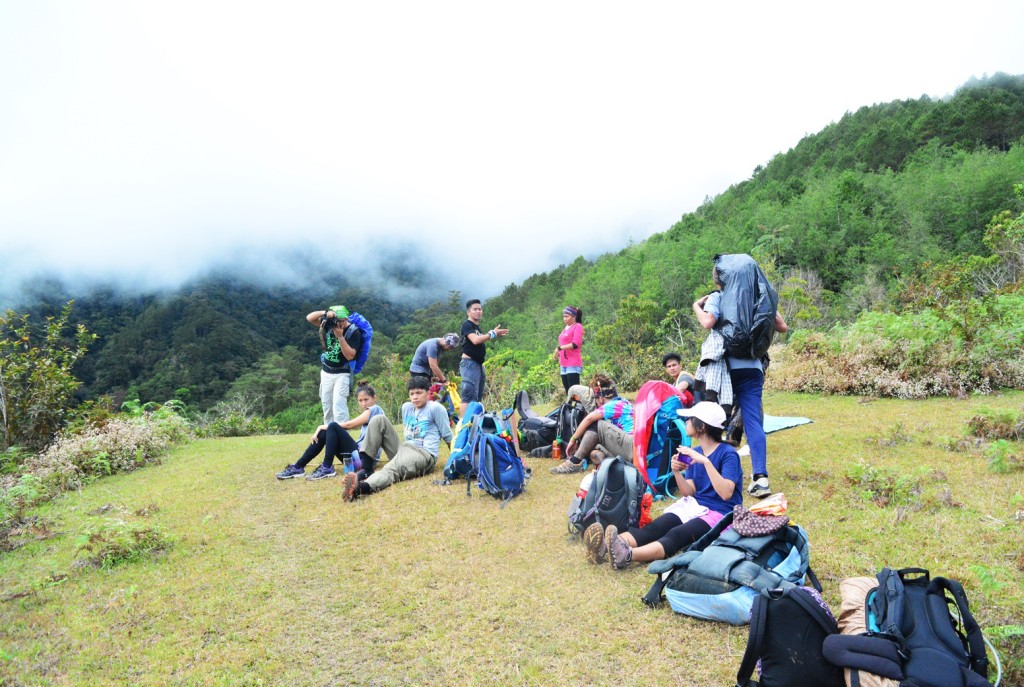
{"x":425,"y":424}
{"x":607,"y":430}
{"x":335,"y":440}
{"x":683,"y":381}
{"x":709,"y":489}
{"x":424,"y":360}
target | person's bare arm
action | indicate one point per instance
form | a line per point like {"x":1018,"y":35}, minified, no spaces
{"x":588,"y":420}
{"x":436,"y":370}
{"x":780,"y":323}
{"x":706,"y":319}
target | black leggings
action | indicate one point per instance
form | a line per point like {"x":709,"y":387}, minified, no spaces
{"x":570,"y":379}
{"x":672,"y":533}
{"x":336,"y":440}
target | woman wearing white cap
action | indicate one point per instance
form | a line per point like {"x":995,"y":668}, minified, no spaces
{"x":708,"y":478}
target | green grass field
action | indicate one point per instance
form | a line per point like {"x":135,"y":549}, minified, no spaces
{"x":281,"y":583}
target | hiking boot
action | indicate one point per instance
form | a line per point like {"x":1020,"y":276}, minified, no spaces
{"x":593,"y":539}
{"x":759,"y":488}
{"x":567,"y":467}
{"x":291,"y":472}
{"x":350,"y":487}
{"x":322,"y":471}
{"x":619,"y":551}
{"x":541,"y":452}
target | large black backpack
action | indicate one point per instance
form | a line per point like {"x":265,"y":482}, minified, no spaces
{"x":787,"y":631}
{"x":570,"y":415}
{"x":614,"y":498}
{"x":748,"y":306}
{"x":909,"y":621}
{"x":535,"y":431}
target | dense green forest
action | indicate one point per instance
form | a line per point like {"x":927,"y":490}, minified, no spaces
{"x":841,"y":222}
{"x":206,"y":335}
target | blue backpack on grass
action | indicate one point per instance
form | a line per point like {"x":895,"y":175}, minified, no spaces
{"x":460,"y":462}
{"x":483,"y":449}
{"x":719,"y":575}
{"x":499,"y":468}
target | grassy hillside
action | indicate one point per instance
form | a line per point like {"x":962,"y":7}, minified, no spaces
{"x":258,"y":582}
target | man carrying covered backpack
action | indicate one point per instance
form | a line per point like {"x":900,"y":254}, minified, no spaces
{"x":734,"y":312}
{"x":341,"y":341}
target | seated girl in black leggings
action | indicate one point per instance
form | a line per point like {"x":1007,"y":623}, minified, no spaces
{"x":335,"y":441}
{"x":708,"y":490}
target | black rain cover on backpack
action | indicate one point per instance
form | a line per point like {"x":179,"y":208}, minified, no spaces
{"x":787,"y":632}
{"x":748,"y":307}
{"x":614,"y":498}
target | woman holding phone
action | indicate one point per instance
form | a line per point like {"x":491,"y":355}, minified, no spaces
{"x":709,"y":479}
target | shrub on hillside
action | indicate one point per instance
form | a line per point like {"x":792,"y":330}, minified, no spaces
{"x":36,"y":380}
{"x":913,"y":355}
{"x":119,"y":444}
{"x":236,"y":416}
{"x":298,"y":419}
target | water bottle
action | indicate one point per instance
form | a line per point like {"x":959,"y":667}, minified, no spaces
{"x":556,"y":449}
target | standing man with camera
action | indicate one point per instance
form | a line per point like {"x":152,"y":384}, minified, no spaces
{"x":472,"y":365}
{"x":340,"y":340}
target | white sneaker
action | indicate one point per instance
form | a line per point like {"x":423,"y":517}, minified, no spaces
{"x":759,"y":488}
{"x":744,"y":450}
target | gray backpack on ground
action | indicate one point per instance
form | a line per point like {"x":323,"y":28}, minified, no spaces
{"x":614,"y":498}
{"x":718,"y":577}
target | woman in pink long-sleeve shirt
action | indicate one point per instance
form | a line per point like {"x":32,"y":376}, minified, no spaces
{"x":570,"y":347}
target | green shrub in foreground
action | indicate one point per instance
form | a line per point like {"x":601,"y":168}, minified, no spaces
{"x":117,"y":542}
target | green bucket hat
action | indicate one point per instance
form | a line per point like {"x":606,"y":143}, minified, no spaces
{"x":340,"y":310}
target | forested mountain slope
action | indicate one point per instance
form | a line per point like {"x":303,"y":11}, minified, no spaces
{"x":843,"y":215}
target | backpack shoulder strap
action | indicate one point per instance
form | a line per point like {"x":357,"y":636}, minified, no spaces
{"x":888,"y":606}
{"x":975,"y":639}
{"x":813,"y":609}
{"x":601,"y":478}
{"x":755,"y":641}
{"x":634,"y":483}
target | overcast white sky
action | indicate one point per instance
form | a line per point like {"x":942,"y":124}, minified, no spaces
{"x":145,"y":141}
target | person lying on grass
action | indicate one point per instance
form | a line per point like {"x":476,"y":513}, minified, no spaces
{"x":708,"y":490}
{"x":335,"y":441}
{"x":425,"y":424}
